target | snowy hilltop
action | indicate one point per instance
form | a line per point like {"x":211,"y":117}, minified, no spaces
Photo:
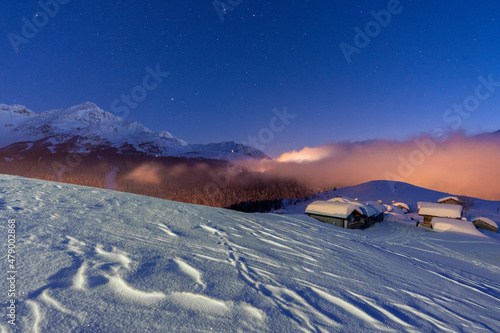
{"x":86,"y":125}
{"x":92,"y":260}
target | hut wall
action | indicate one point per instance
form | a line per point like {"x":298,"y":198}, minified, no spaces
{"x":352,"y":222}
{"x":354,"y":225}
{"x":427,"y":221}
{"x":485,"y":226}
{"x":330,"y":220}
{"x":451,"y":201}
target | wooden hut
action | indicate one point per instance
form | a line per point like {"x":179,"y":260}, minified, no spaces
{"x":450,"y":200}
{"x":485,"y":223}
{"x":430,"y":210}
{"x":380,"y":209}
{"x":373,"y":211}
{"x":341,"y":214}
{"x":345,"y":213}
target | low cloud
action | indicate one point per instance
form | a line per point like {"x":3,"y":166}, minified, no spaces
{"x":456,"y":164}
{"x":146,"y":173}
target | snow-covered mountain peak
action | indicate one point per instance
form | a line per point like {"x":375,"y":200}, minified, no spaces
{"x":88,"y":113}
{"x":86,"y":105}
{"x":165,"y":134}
{"x":230,"y":147}
{"x":87,"y":124}
{"x":19,"y":109}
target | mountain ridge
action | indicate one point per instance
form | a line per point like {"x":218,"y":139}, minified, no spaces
{"x":88,"y":125}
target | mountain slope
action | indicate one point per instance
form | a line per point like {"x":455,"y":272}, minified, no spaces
{"x":101,"y":261}
{"x":87,"y":126}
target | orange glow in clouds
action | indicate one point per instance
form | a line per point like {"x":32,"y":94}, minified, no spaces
{"x":459,"y":165}
{"x":145,"y":173}
{"x":306,"y":155}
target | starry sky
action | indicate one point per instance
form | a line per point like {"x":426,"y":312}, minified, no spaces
{"x":230,"y":63}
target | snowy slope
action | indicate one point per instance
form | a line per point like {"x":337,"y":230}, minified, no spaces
{"x":91,"y":126}
{"x":94,"y":260}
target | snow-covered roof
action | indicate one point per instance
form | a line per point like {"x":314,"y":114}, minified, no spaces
{"x":371,"y":208}
{"x":337,"y":199}
{"x":378,"y":207}
{"x":366,"y":210}
{"x":448,"y":198}
{"x":396,"y":214}
{"x":453,"y":225}
{"x":440,"y":210}
{"x":394,"y":209}
{"x":341,"y":199}
{"x":486,"y":220}
{"x":401,"y":205}
{"x":333,"y":209}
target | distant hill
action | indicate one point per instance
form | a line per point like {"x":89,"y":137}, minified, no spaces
{"x":398,"y":192}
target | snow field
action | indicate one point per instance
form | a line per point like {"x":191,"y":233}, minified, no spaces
{"x":96,"y":260}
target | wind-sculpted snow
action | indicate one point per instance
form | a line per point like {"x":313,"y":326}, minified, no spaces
{"x":102,"y":261}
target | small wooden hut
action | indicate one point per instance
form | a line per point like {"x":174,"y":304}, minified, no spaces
{"x":485,"y":224}
{"x":345,"y":213}
{"x":430,"y":210}
{"x":450,"y":200}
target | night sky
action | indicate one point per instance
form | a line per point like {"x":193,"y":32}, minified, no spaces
{"x":226,"y":76}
